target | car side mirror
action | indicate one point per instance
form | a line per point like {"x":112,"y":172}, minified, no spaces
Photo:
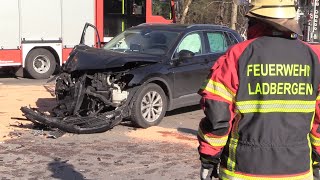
{"x":185,"y":54}
{"x":182,"y":55}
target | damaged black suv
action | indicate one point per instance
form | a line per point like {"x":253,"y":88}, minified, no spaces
{"x":139,"y":75}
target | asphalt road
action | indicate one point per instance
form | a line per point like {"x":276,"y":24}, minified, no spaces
{"x":10,"y":79}
{"x":125,"y":152}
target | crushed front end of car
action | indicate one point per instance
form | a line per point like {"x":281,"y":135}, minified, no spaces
{"x":92,"y":93}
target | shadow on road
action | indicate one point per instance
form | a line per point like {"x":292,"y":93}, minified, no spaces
{"x":64,"y":171}
{"x":43,"y":105}
{"x":183,"y":110}
{"x":128,"y":123}
{"x":50,"y":88}
{"x":4,"y":74}
{"x":46,"y":104}
{"x":188,"y":131}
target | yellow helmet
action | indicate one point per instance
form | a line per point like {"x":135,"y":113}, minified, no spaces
{"x":273,"y":8}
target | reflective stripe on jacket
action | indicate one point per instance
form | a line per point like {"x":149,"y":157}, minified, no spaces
{"x":262,"y":111}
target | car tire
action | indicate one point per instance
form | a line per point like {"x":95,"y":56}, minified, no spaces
{"x":149,"y":106}
{"x":40,"y":63}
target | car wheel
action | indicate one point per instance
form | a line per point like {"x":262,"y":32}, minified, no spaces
{"x":40,"y":63}
{"x":149,"y":107}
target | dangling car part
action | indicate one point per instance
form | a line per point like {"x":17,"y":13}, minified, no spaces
{"x":86,"y":104}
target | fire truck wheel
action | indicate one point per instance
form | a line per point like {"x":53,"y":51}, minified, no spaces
{"x":149,"y":107}
{"x":40,"y":63}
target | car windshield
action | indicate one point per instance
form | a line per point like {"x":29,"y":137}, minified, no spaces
{"x":144,"y":41}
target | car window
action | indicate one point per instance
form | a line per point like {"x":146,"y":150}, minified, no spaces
{"x":231,"y":40}
{"x":191,"y":42}
{"x":145,"y":41}
{"x":217,"y":42}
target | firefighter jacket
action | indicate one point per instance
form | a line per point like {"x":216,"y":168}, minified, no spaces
{"x":262,"y":110}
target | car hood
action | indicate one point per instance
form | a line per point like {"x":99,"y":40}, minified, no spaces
{"x":96,"y":59}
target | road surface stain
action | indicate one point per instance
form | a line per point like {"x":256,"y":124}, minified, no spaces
{"x":161,"y":134}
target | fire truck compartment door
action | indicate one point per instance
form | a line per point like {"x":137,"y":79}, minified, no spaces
{"x":40,"y":20}
{"x":75,"y":14}
{"x":9,"y":18}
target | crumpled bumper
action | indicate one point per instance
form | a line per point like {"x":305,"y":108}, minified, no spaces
{"x":74,"y":124}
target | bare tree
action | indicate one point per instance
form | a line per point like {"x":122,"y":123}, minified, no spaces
{"x":241,"y":24}
{"x":185,"y":11}
{"x":234,"y":15}
{"x":220,"y":12}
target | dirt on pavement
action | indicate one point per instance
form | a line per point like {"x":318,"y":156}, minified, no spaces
{"x":12,"y":97}
{"x":42,"y":97}
{"x":167,"y":151}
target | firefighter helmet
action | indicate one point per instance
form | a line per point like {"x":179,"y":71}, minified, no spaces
{"x":278,"y":13}
{"x":273,"y":8}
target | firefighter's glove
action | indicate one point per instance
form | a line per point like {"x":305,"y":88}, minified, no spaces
{"x":208,"y":171}
{"x":316,"y":174}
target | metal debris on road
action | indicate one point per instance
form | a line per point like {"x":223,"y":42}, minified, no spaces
{"x":85,"y":105}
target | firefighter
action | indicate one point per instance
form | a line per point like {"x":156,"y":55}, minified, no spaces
{"x":261,"y":102}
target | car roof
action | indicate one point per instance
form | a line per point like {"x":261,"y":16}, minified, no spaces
{"x":182,"y":27}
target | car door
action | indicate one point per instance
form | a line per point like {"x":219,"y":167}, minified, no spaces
{"x":217,"y":43}
{"x":189,"y":73}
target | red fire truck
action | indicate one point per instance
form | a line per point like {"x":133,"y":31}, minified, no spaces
{"x":308,"y":18}
{"x":37,"y":36}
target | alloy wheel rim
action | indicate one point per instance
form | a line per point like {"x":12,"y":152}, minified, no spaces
{"x":151,"y":106}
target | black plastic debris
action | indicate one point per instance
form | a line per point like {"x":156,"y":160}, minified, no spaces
{"x":85,"y":104}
